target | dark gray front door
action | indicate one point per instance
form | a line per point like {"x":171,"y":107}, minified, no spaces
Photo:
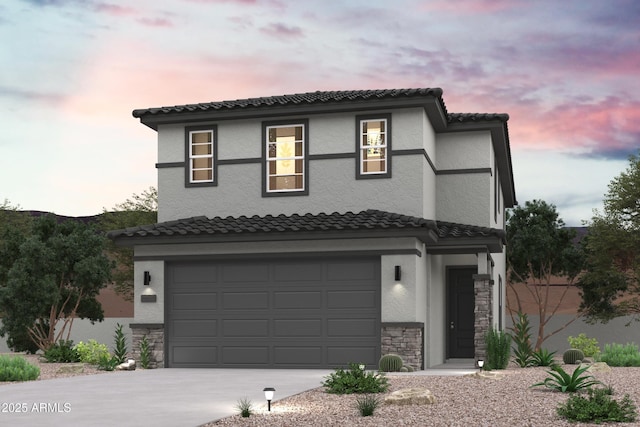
{"x":298,"y":313}
{"x":461,"y":305}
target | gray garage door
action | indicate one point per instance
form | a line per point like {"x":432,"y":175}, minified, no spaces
{"x":303,"y":313}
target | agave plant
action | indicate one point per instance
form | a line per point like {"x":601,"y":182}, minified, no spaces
{"x":543,"y":357}
{"x":560,"y":380}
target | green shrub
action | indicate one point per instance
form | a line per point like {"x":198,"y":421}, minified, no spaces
{"x":573,"y":356}
{"x":367,"y":404}
{"x":390,"y":363}
{"x":245,"y":407}
{"x":522,"y":351}
{"x":91,"y":351}
{"x":498,"y":350}
{"x":62,"y":352}
{"x":355,"y":380}
{"x":107,"y":362}
{"x":543,"y":357}
{"x":598,"y":407}
{"x":145,"y":353}
{"x":620,"y":355}
{"x":120,"y":350}
{"x":560,"y":380}
{"x":589,"y":346}
{"x":17,"y":369}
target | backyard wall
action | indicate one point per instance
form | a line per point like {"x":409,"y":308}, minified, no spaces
{"x":83,"y":330}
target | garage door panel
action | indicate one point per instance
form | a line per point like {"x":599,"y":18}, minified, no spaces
{"x":297,"y":355}
{"x":300,"y":313}
{"x":297,"y":300}
{"x":258,"y":328}
{"x":297,"y":328}
{"x":298,"y":272}
{"x":199,"y":301}
{"x":195,"y":328}
{"x":240,"y":273}
{"x":351,"y":328}
{"x":351,"y":299}
{"x":195,"y":273}
{"x":190,"y":355}
{"x":249,"y":355}
{"x":245,"y":300}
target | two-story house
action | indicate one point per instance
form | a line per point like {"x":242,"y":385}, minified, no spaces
{"x":318,"y":229}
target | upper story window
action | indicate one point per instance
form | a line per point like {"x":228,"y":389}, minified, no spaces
{"x":201,"y":149}
{"x":285,"y":158}
{"x":374,"y":146}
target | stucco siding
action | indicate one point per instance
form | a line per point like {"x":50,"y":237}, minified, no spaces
{"x":463,"y":150}
{"x":462,"y":198}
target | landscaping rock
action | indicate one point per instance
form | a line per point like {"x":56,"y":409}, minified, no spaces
{"x":71,"y":368}
{"x":411,"y":396}
{"x":129,"y":365}
{"x":487,"y":375}
{"x":599,"y":367}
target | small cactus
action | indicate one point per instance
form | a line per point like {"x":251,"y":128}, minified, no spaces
{"x":390,"y":363}
{"x":572,"y":356}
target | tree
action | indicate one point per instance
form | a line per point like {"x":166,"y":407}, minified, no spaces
{"x":539,"y":250}
{"x":141,"y":209}
{"x":11,"y":217}
{"x":48,"y":277}
{"x":611,"y":283}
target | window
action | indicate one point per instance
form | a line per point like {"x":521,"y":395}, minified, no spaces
{"x":285,"y":149}
{"x":201,"y":152}
{"x":374,"y":146}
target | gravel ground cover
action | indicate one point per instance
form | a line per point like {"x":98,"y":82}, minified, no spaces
{"x":460,"y":401}
{"x":55,"y":370}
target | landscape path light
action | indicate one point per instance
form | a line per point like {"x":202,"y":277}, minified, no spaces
{"x":480,"y":364}
{"x":268,"y":394}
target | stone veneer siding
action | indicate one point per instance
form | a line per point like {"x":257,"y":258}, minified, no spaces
{"x":155,"y":337}
{"x":406,"y":340}
{"x":483,"y":316}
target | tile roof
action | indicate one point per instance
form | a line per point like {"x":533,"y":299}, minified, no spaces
{"x":366,"y":220}
{"x":318,"y":97}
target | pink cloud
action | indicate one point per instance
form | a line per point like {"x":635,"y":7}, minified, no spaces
{"x":282,"y":30}
{"x":469,"y":6}
{"x":156,"y":22}
{"x":114,"y":9}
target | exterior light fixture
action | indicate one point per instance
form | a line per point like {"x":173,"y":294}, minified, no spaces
{"x":480,"y":364}
{"x":397,"y":273}
{"x":268,"y":394}
{"x":362,"y":366}
{"x":147,"y":278}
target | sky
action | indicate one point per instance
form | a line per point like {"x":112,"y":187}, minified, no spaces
{"x":567,"y":73}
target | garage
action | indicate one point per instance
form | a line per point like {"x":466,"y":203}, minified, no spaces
{"x":275,"y":313}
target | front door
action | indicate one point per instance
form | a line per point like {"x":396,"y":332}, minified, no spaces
{"x":461,"y":304}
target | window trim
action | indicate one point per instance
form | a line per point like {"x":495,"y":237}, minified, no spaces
{"x":305,"y":158}
{"x":188,"y":130}
{"x":371,"y":117}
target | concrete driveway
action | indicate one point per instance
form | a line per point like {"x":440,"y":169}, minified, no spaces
{"x":158,"y":397}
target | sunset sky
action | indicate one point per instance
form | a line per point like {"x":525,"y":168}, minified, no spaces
{"x":567,"y":73}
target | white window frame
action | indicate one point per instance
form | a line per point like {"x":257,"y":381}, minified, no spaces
{"x":384,"y":145}
{"x":295,"y":158}
{"x":193,"y":157}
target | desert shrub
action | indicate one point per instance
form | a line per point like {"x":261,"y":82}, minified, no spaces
{"x":17,"y":369}
{"x":91,"y":351}
{"x":120,"y":341}
{"x":390,"y":363}
{"x":589,"y":346}
{"x":145,"y":353}
{"x":367,"y":404}
{"x":107,"y":362}
{"x":573,"y":356}
{"x":522,"y":351}
{"x":62,"y":352}
{"x":620,"y":355}
{"x":355,"y":380}
{"x":498,"y":350}
{"x":560,"y":380}
{"x":245,"y":407}
{"x":597,"y":407}
{"x":543,"y":357}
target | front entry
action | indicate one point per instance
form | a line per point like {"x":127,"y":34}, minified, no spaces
{"x":461,"y":318}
